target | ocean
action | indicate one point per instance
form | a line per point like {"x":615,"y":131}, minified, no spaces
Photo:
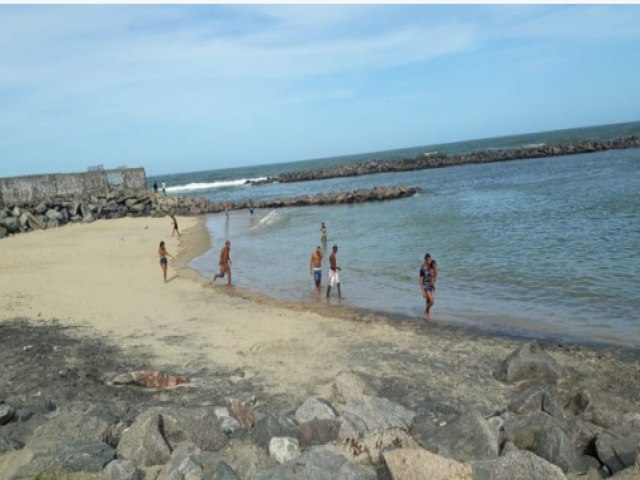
{"x":541,"y":248}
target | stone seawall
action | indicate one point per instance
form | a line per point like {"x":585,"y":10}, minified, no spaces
{"x":32,"y":188}
{"x":20,"y":217}
{"x":436,"y":161}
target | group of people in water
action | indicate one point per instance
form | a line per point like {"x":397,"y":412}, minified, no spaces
{"x":427,"y":277}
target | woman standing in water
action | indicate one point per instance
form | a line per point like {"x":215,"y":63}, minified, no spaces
{"x":162,"y":253}
{"x":428,"y":274}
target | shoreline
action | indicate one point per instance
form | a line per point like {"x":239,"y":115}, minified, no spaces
{"x":368,"y":315}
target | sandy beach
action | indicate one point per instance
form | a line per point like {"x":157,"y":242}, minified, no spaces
{"x":104,"y":279}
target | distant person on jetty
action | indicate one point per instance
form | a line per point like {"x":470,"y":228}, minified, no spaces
{"x":323,"y":234}
{"x":334,"y":278}
{"x":175,"y":225}
{"x":315,"y":267}
{"x":427,"y":284}
{"x":162,"y":253}
{"x":155,"y":186}
{"x":225,"y":263}
{"x":164,"y":189}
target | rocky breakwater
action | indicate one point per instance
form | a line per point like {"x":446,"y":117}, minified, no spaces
{"x":426,"y":161}
{"x":361,"y":430}
{"x":375,"y":194}
{"x":59,"y":211}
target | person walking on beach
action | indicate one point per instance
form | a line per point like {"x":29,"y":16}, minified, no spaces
{"x":175,"y":225}
{"x":323,"y":234}
{"x":225,"y":263}
{"x":427,"y":285}
{"x":334,"y":278}
{"x":164,"y":189}
{"x":162,"y":253}
{"x":155,"y":186}
{"x":315,"y":267}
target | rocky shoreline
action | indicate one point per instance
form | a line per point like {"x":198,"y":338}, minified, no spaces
{"x":57,"y":211}
{"x":426,"y":161}
{"x":73,"y":407}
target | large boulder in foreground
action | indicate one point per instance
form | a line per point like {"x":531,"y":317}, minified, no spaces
{"x":517,"y":465}
{"x":317,"y":463}
{"x":617,"y":447}
{"x":530,"y":361}
{"x":468,"y":437}
{"x":418,"y":464}
{"x":143,"y":442}
{"x":366,"y":414}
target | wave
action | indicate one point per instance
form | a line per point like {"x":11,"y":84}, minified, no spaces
{"x":535,"y":145}
{"x":269,"y":219}
{"x":190,"y":187}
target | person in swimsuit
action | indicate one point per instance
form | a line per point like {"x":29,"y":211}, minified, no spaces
{"x":323,"y":234}
{"x":334,"y":278}
{"x":162,"y":253}
{"x":225,"y":263}
{"x":175,"y":225}
{"x":427,"y":285}
{"x":315,"y":267}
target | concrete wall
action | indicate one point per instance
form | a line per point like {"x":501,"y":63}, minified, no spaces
{"x":33,"y":188}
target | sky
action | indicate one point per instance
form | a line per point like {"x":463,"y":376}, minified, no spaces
{"x":179,"y":88}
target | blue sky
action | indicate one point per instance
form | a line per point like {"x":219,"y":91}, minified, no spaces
{"x":179,"y":88}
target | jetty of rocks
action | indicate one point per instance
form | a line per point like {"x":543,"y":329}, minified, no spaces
{"x":437,"y":160}
{"x":60,"y":210}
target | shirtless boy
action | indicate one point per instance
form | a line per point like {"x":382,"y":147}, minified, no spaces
{"x":225,"y":263}
{"x":334,"y":278}
{"x":315,"y":267}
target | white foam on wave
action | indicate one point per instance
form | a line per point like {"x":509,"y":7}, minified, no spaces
{"x":535,"y":145}
{"x":189,"y":187}
{"x":269,"y":219}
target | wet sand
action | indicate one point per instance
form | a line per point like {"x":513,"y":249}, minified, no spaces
{"x":103,"y":281}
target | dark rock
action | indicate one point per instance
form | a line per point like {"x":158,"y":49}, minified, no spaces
{"x":530,"y":361}
{"x":318,"y":432}
{"x":617,"y":447}
{"x":468,"y":437}
{"x":222,"y":472}
{"x":7,"y":412}
{"x":601,"y":408}
{"x":83,"y":457}
{"x":121,"y":470}
{"x":317,"y":463}
{"x":197,"y":425}
{"x":555,"y":446}
{"x":524,"y":431}
{"x":69,"y":427}
{"x":8,"y":444}
{"x":11,"y":224}
{"x":270,"y":426}
{"x":143,"y":442}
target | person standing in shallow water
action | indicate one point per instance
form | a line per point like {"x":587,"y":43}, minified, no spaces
{"x":323,"y":234}
{"x":334,"y":278}
{"x":162,"y":253}
{"x":315,"y":267}
{"x":225,"y":263}
{"x":427,"y":285}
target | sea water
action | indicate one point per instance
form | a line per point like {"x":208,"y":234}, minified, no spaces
{"x":543,"y":247}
